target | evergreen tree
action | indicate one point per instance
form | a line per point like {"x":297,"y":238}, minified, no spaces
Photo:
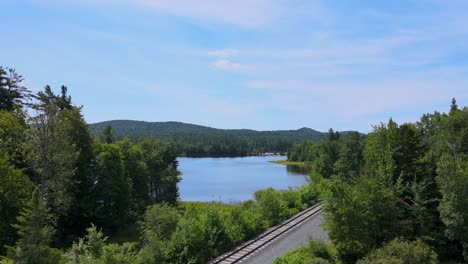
{"x":453,"y":106}
{"x":453,"y":183}
{"x":53,"y":155}
{"x":35,"y":231}
{"x":137,"y":171}
{"x":12,"y":137}
{"x":359,"y":217}
{"x":160,"y":159}
{"x":333,"y":136}
{"x":108,"y":135}
{"x":112,"y":189}
{"x":12,"y":94}
{"x":350,"y":156}
{"x":15,"y":192}
{"x":80,"y":213}
{"x":61,"y":152}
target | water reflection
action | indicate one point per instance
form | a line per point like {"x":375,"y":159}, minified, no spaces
{"x":297,"y":170}
{"x":234,"y":179}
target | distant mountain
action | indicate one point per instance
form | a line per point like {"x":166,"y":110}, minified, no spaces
{"x":196,"y":140}
{"x":171,"y":129}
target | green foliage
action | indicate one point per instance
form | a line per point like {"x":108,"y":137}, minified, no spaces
{"x":12,"y":136}
{"x":315,"y":252}
{"x":80,"y":213}
{"x":15,"y":192}
{"x":393,"y":191}
{"x":400,"y":251}
{"x":359,"y":217}
{"x":160,"y":160}
{"x":270,"y":205}
{"x":152,"y":252}
{"x":194,"y":140}
{"x":108,"y":136}
{"x":187,"y":244}
{"x":407,"y":181}
{"x":453,"y":183}
{"x":215,"y":235}
{"x":244,"y":222}
{"x":92,"y":249}
{"x":159,"y":222}
{"x":89,"y":247}
{"x":350,"y":155}
{"x":397,"y":146}
{"x":341,"y":156}
{"x":207,"y":230}
{"x":302,"y":151}
{"x":332,"y":135}
{"x":119,"y":254}
{"x":112,"y":188}
{"x":53,"y":156}
{"x":12,"y":94}
{"x":83,"y":181}
{"x":35,"y":233}
{"x":137,"y":171}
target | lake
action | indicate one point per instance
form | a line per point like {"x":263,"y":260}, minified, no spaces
{"x":234,"y":179}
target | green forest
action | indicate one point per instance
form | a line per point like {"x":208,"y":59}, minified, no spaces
{"x":67,"y":196}
{"x":198,"y":141}
{"x":398,"y":195}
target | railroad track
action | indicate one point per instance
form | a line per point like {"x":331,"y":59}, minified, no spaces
{"x":247,"y":249}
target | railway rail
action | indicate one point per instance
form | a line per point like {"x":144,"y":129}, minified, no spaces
{"x":249,"y":248}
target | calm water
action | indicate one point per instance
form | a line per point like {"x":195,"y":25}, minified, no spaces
{"x":234,"y":179}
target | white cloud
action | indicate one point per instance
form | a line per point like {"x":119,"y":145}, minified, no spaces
{"x":223,"y":52}
{"x":227,"y":65}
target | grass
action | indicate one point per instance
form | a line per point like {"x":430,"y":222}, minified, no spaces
{"x":287,"y":162}
{"x":201,"y":206}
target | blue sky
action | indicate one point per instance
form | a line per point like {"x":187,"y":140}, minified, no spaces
{"x":260,"y":64}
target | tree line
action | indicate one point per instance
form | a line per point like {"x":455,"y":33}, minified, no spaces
{"x":65,"y":193}
{"x":47,"y":149}
{"x":198,"y":141}
{"x":397,"y":195}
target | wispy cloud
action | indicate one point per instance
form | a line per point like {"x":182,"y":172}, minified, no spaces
{"x":241,"y":12}
{"x":223,"y":52}
{"x":290,"y":63}
{"x":245,"y":13}
{"x":227,"y":65}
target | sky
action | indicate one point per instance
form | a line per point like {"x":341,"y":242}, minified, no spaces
{"x":258,"y":64}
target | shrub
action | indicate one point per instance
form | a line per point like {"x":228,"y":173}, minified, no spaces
{"x":402,"y":252}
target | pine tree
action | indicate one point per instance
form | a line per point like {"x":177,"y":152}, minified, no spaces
{"x":15,"y":192}
{"x":454,"y":106}
{"x":12,"y":93}
{"x":35,"y":233}
{"x":108,"y":135}
{"x":53,"y":156}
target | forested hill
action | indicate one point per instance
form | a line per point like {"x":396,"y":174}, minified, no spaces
{"x":195,"y":140}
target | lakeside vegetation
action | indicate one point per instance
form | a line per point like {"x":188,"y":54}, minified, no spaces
{"x":290,"y":163}
{"x":397,"y":195}
{"x":67,"y":196}
{"x":200,"y":141}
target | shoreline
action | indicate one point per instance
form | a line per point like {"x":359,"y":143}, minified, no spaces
{"x":234,"y":156}
{"x":289,"y":163}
